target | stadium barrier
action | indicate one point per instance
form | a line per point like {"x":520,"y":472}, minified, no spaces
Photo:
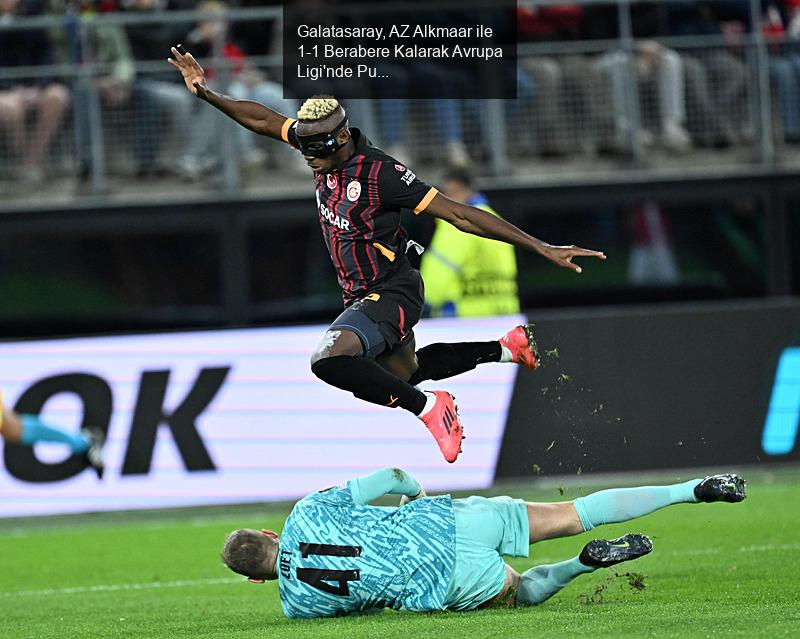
{"x":236,"y":416}
{"x":630,"y":389}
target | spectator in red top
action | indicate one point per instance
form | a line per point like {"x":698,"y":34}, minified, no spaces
{"x":781,"y":27}
{"x":549,"y":23}
{"x":564,"y":114}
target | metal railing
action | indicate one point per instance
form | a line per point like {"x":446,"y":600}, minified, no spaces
{"x":101,"y":126}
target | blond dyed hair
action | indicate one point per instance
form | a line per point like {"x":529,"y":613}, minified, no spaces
{"x":317,"y":107}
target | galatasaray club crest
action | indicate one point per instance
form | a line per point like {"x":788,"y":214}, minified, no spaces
{"x":332,"y":181}
{"x":399,"y":168}
{"x":353,"y":190}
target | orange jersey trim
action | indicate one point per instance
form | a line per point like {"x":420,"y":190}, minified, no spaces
{"x":285,"y":129}
{"x":390,"y":255}
{"x":426,"y":200}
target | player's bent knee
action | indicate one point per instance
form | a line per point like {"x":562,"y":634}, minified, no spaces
{"x":507,"y":597}
{"x":337,"y":342}
{"x":57,"y":93}
{"x":552,"y":520}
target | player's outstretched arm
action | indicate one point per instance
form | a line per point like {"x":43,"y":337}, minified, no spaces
{"x":253,"y":115}
{"x":470,"y":219}
{"x":387,"y":481}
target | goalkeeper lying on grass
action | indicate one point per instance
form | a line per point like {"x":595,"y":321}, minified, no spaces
{"x":338,"y":555}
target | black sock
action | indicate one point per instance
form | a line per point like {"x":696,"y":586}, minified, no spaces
{"x":439,"y":361}
{"x":368,"y":381}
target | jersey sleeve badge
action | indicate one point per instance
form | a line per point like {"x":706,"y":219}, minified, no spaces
{"x":354,"y":190}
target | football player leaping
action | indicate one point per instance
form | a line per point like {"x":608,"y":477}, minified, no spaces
{"x":369,"y":350}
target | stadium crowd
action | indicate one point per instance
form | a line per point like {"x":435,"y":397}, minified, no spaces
{"x":569,"y":104}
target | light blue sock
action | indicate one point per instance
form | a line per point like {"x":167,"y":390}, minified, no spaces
{"x":541,"y":582}
{"x":35,"y":430}
{"x":622,"y":504}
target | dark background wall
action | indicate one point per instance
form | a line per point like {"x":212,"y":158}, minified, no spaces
{"x":647,"y":388}
{"x":254,"y":261}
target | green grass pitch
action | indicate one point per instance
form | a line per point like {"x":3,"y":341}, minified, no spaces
{"x":716,"y":570}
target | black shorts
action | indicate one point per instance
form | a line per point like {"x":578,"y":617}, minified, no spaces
{"x":385,"y":316}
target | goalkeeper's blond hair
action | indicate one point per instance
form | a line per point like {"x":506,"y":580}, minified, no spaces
{"x":318,"y":107}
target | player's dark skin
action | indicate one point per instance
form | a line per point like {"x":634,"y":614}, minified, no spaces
{"x":402,"y":360}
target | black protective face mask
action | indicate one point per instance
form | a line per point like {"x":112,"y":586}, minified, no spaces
{"x":329,"y":143}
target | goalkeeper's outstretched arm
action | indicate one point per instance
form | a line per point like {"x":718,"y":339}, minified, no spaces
{"x":253,"y":115}
{"x":387,"y":481}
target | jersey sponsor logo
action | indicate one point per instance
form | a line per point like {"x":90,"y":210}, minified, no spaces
{"x":332,"y":181}
{"x":330,"y":217}
{"x":399,"y":167}
{"x":408,"y":177}
{"x":783,"y":415}
{"x":353,"y":190}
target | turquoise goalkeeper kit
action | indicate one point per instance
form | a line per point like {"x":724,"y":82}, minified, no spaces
{"x":338,"y":555}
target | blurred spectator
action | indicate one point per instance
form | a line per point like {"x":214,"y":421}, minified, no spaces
{"x":259,"y":37}
{"x":564,"y":85}
{"x":209,"y":39}
{"x":43,"y":96}
{"x":263,"y":86}
{"x":652,"y":259}
{"x":654,"y":75}
{"x":440,"y":84}
{"x":161,"y":92}
{"x":427,"y":80}
{"x":784,"y":62}
{"x":659,"y":71}
{"x":717,"y":78}
{"x":466,"y":275}
{"x":792,"y":9}
{"x":84,"y":41}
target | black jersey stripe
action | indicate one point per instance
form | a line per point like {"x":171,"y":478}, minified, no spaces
{"x":332,"y":203}
{"x":366,"y":214}
{"x":363,"y":281}
{"x":379,"y":164}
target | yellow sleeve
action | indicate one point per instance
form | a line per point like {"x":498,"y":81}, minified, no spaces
{"x":442,"y":264}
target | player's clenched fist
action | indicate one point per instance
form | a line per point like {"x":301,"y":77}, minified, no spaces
{"x":192,"y":72}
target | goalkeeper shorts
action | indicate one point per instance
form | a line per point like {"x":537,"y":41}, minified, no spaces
{"x":486,"y":530}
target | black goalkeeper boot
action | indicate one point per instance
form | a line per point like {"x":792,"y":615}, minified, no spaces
{"x":603,"y":553}
{"x":727,"y":487}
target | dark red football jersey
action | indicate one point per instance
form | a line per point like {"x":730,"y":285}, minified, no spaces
{"x":359,"y":211}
